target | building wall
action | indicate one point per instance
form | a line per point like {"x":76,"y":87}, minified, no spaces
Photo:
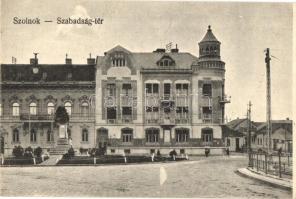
{"x":42,"y":122}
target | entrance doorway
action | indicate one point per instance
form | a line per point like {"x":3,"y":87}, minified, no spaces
{"x":102,"y":139}
{"x":237,"y":144}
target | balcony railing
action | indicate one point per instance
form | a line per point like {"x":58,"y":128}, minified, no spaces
{"x":182,"y":120}
{"x":224,"y":99}
{"x":207,"y":118}
{"x":207,"y":143}
{"x":167,"y":121}
{"x":167,"y":97}
{"x":40,"y":117}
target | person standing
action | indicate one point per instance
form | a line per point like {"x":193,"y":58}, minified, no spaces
{"x":70,"y":142}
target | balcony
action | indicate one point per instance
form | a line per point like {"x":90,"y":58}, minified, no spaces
{"x":48,"y":118}
{"x":126,"y":119}
{"x":152,"y":121}
{"x":207,"y":143}
{"x":167,"y":97}
{"x":224,"y":99}
{"x":36,"y":117}
{"x":182,"y":120}
{"x":207,"y":118}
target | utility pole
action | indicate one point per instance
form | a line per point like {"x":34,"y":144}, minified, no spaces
{"x":268,"y":99}
{"x":249,"y":131}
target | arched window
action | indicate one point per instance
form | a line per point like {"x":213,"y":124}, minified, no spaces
{"x":15,"y":136}
{"x":50,"y":108}
{"x":15,"y":109}
{"x":118,"y":60}
{"x":84,"y":135}
{"x":68,"y":107}
{"x":33,"y":108}
{"x":33,"y":135}
{"x":49,"y":136}
{"x":182,"y":135}
{"x":84,"y":109}
{"x":152,"y":135}
{"x":127,"y":135}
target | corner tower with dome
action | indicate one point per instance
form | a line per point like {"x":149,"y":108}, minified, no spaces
{"x":177,"y":100}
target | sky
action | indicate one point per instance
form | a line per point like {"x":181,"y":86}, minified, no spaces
{"x":244,"y":29}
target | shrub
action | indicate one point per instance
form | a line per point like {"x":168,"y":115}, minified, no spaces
{"x":29,"y":149}
{"x":66,"y":156}
{"x":173,"y":153}
{"x":18,"y":151}
{"x":97,"y":151}
{"x":158,"y":153}
{"x":38,"y":151}
{"x":81,"y":150}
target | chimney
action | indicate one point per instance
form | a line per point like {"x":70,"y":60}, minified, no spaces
{"x":159,"y":50}
{"x":34,"y":61}
{"x":175,"y":50}
{"x":68,"y":60}
{"x":91,"y":61}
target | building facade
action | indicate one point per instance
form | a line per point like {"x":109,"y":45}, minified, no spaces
{"x":30,"y":94}
{"x":126,"y":102}
{"x":161,"y":100}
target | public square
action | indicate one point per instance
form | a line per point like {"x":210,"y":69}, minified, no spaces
{"x":201,"y":177}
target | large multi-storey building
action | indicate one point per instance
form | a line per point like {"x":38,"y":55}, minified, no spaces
{"x":161,"y":100}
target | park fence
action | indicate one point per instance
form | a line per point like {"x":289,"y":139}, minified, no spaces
{"x":280,"y":164}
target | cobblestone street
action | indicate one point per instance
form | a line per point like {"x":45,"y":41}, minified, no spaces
{"x":211,"y":177}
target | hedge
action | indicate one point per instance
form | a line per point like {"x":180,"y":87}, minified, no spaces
{"x":22,"y":161}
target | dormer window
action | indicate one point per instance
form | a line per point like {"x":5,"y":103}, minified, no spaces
{"x":166,"y":61}
{"x":118,"y":60}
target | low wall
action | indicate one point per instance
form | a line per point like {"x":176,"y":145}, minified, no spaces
{"x":166,"y":150}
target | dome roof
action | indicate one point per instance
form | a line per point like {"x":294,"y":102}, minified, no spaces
{"x":209,"y":37}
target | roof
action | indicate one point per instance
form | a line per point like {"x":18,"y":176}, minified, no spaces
{"x":276,"y":124}
{"x":229,"y":132}
{"x":209,"y":37}
{"x":148,"y":60}
{"x":47,"y":72}
{"x":241,"y":125}
{"x":234,"y":123}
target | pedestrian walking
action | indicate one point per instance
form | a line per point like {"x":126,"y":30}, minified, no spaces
{"x":207,"y":152}
{"x":227,"y":151}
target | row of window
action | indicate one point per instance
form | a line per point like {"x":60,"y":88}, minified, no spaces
{"x":50,"y":108}
{"x":152,"y":135}
{"x":49,"y":135}
{"x":153,"y":88}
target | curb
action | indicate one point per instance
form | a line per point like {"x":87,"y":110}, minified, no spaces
{"x":279,"y":183}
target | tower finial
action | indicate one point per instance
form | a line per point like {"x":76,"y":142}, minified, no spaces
{"x":209,"y":28}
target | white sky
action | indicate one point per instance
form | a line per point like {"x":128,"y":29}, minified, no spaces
{"x":244,"y":29}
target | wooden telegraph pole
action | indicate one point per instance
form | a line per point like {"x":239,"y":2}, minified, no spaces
{"x":268,"y":99}
{"x":249,"y":132}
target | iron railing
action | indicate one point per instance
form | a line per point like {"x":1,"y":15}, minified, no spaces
{"x":280,"y":164}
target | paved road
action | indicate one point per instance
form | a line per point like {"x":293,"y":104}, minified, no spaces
{"x":211,"y":177}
